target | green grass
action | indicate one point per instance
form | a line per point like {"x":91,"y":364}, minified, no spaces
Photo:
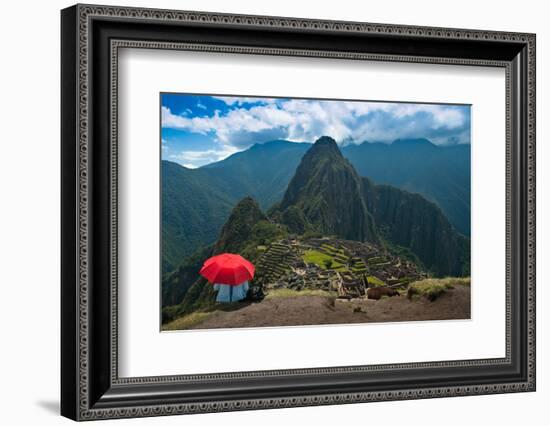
{"x":287,"y":292}
{"x":432,"y":288}
{"x":186,"y":321}
{"x":377,"y":282}
{"x":404,"y":280}
{"x":319,"y":258}
{"x":358,"y":265}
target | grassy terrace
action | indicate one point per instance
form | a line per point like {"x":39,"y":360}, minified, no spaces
{"x":287,"y":292}
{"x":337,"y":253}
{"x":376,"y":282}
{"x":186,"y":321}
{"x":358,"y":266}
{"x":377,"y":260}
{"x":271,"y":261}
{"x":323,"y":260}
{"x":329,"y":248}
{"x":432,"y":288}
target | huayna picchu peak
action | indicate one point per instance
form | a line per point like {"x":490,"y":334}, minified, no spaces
{"x":327,"y":190}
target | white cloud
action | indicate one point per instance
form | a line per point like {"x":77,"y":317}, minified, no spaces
{"x":194,"y":159}
{"x":443,"y":116}
{"x":307,"y":120}
{"x":239,"y":100}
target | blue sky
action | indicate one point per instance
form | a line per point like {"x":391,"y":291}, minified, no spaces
{"x":199,"y":129}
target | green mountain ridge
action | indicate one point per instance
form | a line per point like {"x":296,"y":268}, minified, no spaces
{"x":262,"y":171}
{"x":409,"y":220}
{"x":440,"y":174}
{"x":194,"y":208}
{"x":197,"y":202}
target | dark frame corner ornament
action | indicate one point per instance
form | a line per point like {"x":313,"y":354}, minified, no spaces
{"x":91,"y":37}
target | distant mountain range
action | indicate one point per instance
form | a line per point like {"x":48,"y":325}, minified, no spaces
{"x":325,"y":196}
{"x":197,"y":202}
{"x":262,"y":171}
{"x":439,"y":173}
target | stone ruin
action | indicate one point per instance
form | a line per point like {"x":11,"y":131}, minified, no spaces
{"x":282,"y":266}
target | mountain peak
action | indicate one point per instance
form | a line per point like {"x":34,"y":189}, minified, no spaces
{"x":324,"y":148}
{"x":236,"y":230}
{"x":326,"y":144}
{"x":326,"y":194}
{"x":325,"y":140}
{"x":247,"y":201}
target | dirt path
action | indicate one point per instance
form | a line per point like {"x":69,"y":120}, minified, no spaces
{"x":310,"y":310}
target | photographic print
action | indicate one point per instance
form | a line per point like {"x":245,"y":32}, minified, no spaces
{"x":303,"y":181}
{"x":293,"y":211}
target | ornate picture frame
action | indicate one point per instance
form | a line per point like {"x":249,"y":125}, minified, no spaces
{"x":91,"y":37}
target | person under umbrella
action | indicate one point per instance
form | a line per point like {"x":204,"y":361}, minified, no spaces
{"x":229,"y":273}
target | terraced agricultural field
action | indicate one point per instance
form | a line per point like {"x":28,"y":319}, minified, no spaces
{"x":375,"y":282}
{"x":329,"y":264}
{"x":323,"y":260}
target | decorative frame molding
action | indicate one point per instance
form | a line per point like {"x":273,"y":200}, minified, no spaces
{"x":91,"y":37}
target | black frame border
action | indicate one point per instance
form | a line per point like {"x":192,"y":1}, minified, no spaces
{"x":90,"y":387}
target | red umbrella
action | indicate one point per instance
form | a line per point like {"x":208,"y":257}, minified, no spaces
{"x":227,"y":268}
